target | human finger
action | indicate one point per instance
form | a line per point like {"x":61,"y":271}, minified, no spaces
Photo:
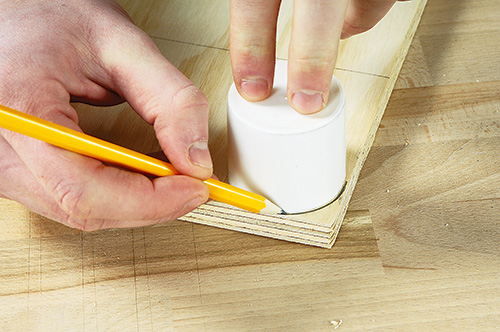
{"x":252,"y":39}
{"x":73,"y":189}
{"x":88,"y":195}
{"x":316,"y":28}
{"x":163,"y":97}
{"x":362,"y":15}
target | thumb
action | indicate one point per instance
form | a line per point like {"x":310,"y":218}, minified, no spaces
{"x":163,"y":97}
{"x":362,"y":15}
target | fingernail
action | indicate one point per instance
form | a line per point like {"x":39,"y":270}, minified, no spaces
{"x":199,"y":155}
{"x":254,"y":89}
{"x":192,"y":204}
{"x":307,"y":102}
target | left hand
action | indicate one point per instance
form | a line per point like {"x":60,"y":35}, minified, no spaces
{"x":317,"y":27}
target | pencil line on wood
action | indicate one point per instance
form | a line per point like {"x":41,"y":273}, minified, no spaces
{"x":191,"y":43}
{"x":83,"y":280}
{"x":362,"y":72}
{"x":147,"y":277}
{"x":135,"y":281}
{"x":349,"y":70}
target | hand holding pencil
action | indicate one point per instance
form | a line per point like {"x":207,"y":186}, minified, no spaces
{"x":41,"y":71}
{"x":93,"y":147}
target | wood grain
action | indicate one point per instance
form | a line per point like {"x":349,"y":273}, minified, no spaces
{"x":142,"y":279}
{"x":367,"y":69}
{"x":417,"y":250}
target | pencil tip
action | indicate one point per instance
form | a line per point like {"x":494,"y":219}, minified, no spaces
{"x":272,"y":208}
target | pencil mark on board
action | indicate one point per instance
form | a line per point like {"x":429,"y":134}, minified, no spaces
{"x":191,"y":43}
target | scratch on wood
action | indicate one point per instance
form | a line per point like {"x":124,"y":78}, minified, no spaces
{"x":83,"y":280}
{"x":135,"y":281}
{"x":94,"y":283}
{"x":409,"y":268}
{"x":147,"y":277}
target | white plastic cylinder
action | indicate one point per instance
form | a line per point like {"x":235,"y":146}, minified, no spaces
{"x":296,"y":161}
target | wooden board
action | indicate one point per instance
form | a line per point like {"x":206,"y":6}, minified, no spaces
{"x":61,"y":279}
{"x":418,"y":250}
{"x":367,"y":68}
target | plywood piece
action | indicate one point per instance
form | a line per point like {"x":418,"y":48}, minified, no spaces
{"x":367,"y":95}
{"x":194,"y":23}
{"x":382,"y":50}
{"x":208,"y":66}
{"x":202,"y":22}
{"x":422,"y":257}
{"x":154,"y":278}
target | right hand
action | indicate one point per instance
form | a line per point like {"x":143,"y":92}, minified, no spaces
{"x":58,"y":51}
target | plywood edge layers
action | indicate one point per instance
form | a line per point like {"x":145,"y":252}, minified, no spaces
{"x":344,"y":200}
{"x":303,"y":231}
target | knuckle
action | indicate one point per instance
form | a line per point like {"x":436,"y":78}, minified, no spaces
{"x":84,"y":225}
{"x":72,"y":199}
{"x":189,"y":96}
{"x":315,"y":62}
{"x":255,"y":48}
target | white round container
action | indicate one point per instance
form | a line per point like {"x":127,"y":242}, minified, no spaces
{"x":296,"y":161}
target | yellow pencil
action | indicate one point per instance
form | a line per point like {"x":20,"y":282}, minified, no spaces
{"x":108,"y":152}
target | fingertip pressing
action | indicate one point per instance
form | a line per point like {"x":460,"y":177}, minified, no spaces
{"x":199,"y":156}
{"x":307,"y":101}
{"x":313,"y":53}
{"x":254,"y":88}
{"x":252,"y":44}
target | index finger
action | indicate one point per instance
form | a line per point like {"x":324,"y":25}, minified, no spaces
{"x":89,"y":195}
{"x":362,"y":15}
{"x":316,"y":29}
{"x":252,"y":39}
{"x":84,"y":193}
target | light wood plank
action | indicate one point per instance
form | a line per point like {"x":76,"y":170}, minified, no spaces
{"x":402,"y":269}
{"x":367,"y":99}
{"x":200,"y":22}
{"x":209,"y":68}
{"x":156,"y":278}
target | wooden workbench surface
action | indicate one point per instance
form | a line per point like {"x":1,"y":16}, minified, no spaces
{"x":419,"y":250}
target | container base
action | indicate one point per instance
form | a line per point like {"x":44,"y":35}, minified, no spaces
{"x":283,"y":212}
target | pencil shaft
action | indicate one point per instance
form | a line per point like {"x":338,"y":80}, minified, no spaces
{"x":90,"y":146}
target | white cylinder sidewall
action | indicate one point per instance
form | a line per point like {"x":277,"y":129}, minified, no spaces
{"x":300,"y":171}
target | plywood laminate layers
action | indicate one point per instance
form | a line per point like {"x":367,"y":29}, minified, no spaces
{"x":424,"y":258}
{"x":368,"y":66}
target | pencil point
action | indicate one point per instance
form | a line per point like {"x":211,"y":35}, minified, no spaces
{"x":271,"y":208}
